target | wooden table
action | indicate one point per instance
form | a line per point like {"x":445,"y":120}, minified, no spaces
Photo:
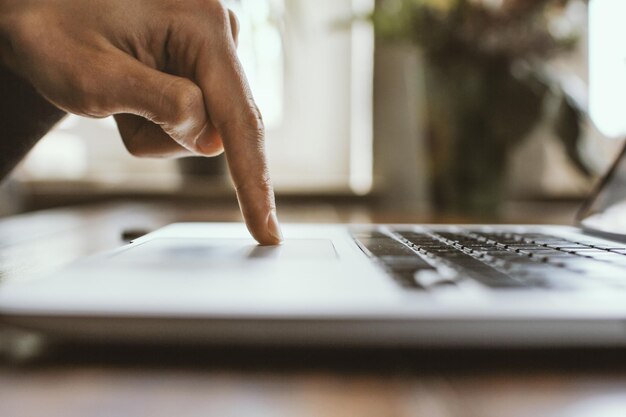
{"x":39,"y":379}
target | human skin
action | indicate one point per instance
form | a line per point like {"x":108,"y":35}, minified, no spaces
{"x":167,"y":70}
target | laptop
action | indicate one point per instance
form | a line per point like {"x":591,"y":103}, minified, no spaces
{"x":404,"y":285}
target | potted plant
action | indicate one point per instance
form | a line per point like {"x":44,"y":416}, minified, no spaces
{"x":486,"y":87}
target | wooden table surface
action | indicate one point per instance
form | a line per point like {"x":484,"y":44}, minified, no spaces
{"x":62,"y":379}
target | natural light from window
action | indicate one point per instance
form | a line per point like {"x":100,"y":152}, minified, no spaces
{"x":607,"y":64}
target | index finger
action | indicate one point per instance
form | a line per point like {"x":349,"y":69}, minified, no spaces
{"x":234,"y":114}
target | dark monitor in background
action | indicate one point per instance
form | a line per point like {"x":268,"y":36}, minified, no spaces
{"x":605,"y":211}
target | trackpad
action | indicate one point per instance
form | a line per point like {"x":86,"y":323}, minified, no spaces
{"x":195,"y":250}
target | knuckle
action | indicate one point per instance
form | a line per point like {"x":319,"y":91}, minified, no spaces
{"x":217,"y":12}
{"x":253,"y":124}
{"x":85,"y":99}
{"x":25,"y":31}
{"x":211,"y":8}
{"x":184,"y":97}
{"x":258,"y":185}
{"x":248,"y":124}
{"x":263,"y":184}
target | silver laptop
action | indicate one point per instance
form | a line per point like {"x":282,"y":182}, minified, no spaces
{"x":342,"y":285}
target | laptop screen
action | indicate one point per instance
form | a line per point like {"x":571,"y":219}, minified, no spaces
{"x":605,"y":211}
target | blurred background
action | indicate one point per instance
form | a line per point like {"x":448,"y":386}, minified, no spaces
{"x":448,"y":106}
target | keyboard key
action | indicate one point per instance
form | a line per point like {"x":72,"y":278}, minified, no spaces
{"x":608,"y":247}
{"x":398,"y":259}
{"x":431,"y":279}
{"x":385,"y":246}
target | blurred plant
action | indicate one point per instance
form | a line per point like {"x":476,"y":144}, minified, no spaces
{"x":487,"y":85}
{"x":481,"y":29}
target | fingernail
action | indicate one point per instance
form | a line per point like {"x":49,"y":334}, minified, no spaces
{"x":273,"y":227}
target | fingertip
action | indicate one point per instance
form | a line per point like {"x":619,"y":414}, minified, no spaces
{"x":273,"y":228}
{"x":268,"y":232}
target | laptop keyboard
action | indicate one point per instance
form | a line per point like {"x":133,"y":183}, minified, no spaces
{"x":495,"y":260}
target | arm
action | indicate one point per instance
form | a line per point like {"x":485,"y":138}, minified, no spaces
{"x":25,"y":117}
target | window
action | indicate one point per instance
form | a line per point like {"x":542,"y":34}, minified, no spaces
{"x":607,"y":56}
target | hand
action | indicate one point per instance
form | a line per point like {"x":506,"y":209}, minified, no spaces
{"x":166,"y":69}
